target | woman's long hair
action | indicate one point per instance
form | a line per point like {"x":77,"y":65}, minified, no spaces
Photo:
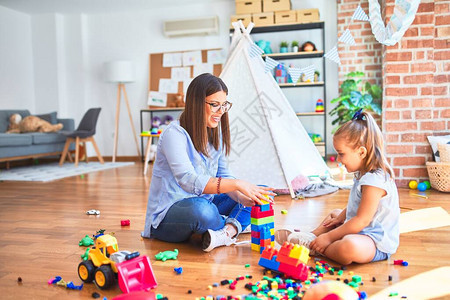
{"x":193,"y":118}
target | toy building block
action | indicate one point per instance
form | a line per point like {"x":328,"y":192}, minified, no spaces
{"x":300,"y":272}
{"x":262,"y":221}
{"x":269,"y":264}
{"x":286,"y":249}
{"x":256,"y":247}
{"x":269,"y":253}
{"x":288,"y":260}
{"x":256,"y":213}
{"x":300,"y":252}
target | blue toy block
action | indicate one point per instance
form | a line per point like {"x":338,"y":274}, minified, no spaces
{"x":269,"y":264}
{"x":255,"y":241}
{"x":261,"y":227}
{"x":265,"y":207}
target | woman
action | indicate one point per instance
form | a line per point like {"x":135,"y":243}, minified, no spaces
{"x":191,"y":188}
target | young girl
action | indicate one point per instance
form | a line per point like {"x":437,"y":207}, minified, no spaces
{"x":367,"y":229}
{"x":191,"y":188}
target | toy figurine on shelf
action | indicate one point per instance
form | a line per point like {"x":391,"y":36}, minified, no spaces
{"x":316,"y":138}
{"x":156,"y":122}
{"x":265,"y":46}
{"x":316,"y":76}
{"x":319,"y":106}
{"x":308,"y":46}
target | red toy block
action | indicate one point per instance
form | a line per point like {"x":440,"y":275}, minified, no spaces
{"x":286,"y":249}
{"x":269,"y":252}
{"x":300,"y":272}
{"x":288,"y":260}
{"x":398,"y":262}
{"x":124,"y":222}
{"x":256,"y":234}
{"x":265,"y":243}
{"x":256,"y":213}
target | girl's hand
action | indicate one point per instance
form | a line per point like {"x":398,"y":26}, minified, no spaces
{"x":254,"y":193}
{"x":335,"y":222}
{"x":321,"y":243}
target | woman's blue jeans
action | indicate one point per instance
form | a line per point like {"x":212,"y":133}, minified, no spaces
{"x":197,"y":215}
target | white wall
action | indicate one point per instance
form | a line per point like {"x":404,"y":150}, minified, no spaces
{"x":16,"y":67}
{"x":69,"y":52}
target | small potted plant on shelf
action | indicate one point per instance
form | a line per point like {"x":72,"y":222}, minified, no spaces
{"x":294,"y":46}
{"x":356,"y":94}
{"x":284,"y":47}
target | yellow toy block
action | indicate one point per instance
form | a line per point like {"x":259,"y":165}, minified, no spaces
{"x":256,"y":247}
{"x":272,"y":231}
{"x":301,"y":253}
{"x":272,"y":244}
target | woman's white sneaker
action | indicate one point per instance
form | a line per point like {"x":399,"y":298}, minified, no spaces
{"x":216,"y":238}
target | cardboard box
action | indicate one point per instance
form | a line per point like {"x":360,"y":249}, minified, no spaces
{"x":263,"y":19}
{"x":248,"y":6}
{"x":285,"y":17}
{"x":246,"y":19}
{"x":276,"y":5}
{"x":308,"y":15}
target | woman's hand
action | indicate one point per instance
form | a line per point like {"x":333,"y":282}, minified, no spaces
{"x":253,"y":194}
{"x":321,"y":243}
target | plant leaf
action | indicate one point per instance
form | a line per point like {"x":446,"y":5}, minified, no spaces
{"x":348,"y":86}
{"x":376,"y":108}
{"x":338,"y":99}
{"x":375,"y":91}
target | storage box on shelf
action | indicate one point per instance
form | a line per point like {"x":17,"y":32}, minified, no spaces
{"x":246,"y":19}
{"x":285,"y":17}
{"x":263,"y":19}
{"x":308,"y":15}
{"x":248,"y":7}
{"x":276,"y":5}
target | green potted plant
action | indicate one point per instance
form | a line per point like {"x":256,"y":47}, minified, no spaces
{"x":316,"y":76}
{"x":356,"y":94}
{"x":284,"y":47}
{"x":294,"y":46}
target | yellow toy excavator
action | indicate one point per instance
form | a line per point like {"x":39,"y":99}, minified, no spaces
{"x":105,"y":263}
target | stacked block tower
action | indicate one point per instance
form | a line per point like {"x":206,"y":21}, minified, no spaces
{"x":291,"y":260}
{"x":262,"y":226}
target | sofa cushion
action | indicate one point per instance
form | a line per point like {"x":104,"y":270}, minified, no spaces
{"x":15,"y":139}
{"x":47,"y":138}
{"x":50,"y":117}
{"x":6,"y":113}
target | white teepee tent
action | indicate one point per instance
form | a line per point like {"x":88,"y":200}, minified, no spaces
{"x":268,"y":143}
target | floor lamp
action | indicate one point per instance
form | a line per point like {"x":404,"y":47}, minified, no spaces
{"x":121,"y":72}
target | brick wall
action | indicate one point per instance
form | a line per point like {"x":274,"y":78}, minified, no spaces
{"x":416,"y":102}
{"x":365,"y":55}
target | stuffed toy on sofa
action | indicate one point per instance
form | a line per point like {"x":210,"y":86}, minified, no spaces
{"x":31,"y":124}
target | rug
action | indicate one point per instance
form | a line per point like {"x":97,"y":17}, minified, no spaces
{"x":52,"y":171}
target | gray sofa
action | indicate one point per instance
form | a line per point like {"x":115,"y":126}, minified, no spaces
{"x":30,"y":145}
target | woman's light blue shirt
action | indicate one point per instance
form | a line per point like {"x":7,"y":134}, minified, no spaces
{"x":180,"y":172}
{"x":384,"y":227}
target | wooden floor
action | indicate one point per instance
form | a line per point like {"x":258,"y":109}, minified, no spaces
{"x":42,"y":223}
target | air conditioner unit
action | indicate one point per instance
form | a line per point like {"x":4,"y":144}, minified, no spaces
{"x":187,"y":27}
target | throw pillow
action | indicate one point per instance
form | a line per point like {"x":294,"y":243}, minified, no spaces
{"x":434,"y":141}
{"x":50,"y":117}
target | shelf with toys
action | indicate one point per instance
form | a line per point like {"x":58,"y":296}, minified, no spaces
{"x":295,"y":55}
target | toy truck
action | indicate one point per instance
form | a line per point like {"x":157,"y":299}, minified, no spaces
{"x":105,"y":263}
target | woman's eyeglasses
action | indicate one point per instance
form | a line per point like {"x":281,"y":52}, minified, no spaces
{"x":215,"y":106}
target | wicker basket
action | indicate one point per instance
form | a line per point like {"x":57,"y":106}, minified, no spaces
{"x":444,"y":152}
{"x":439,"y":175}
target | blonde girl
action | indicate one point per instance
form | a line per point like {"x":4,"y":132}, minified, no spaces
{"x":368,"y":228}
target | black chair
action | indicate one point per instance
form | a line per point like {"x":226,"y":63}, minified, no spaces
{"x":84,"y":133}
